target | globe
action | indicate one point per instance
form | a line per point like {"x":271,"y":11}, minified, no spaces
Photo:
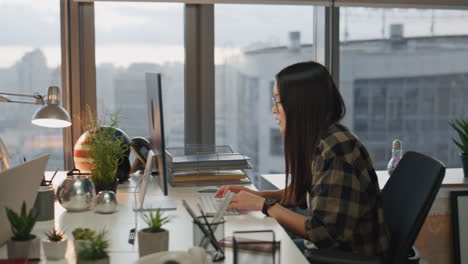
{"x":84,"y":163}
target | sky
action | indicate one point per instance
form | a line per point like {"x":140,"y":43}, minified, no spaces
{"x":153,"y":32}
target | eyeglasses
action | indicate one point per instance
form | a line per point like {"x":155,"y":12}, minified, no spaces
{"x":275,"y":103}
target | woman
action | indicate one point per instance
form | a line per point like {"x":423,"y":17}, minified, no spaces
{"x":327,"y":168}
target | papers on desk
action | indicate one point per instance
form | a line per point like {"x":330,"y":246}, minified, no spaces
{"x":187,"y":176}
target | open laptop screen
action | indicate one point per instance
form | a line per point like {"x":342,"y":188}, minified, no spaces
{"x":19,"y":184}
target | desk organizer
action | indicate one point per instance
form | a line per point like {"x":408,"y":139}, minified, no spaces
{"x":199,"y":165}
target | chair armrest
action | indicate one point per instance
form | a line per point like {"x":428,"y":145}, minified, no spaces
{"x":325,"y":256}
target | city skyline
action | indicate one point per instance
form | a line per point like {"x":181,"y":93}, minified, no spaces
{"x":124,"y":26}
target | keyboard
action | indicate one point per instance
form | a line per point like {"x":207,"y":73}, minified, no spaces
{"x":210,"y":205}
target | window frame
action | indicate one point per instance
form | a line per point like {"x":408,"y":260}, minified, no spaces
{"x":79,"y":68}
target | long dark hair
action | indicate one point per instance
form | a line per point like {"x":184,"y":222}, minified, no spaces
{"x":311,"y":102}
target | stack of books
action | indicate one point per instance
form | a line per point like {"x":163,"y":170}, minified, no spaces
{"x":194,"y":166}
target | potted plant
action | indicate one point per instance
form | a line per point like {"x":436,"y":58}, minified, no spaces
{"x":154,"y":238}
{"x":461,"y":127}
{"x":55,"y":246}
{"x":107,"y":147}
{"x":82,"y":237}
{"x":22,"y":244}
{"x":96,"y":251}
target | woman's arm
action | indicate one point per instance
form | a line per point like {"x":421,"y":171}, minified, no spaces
{"x":249,"y":201}
{"x":277,"y":195}
{"x":290,"y":220}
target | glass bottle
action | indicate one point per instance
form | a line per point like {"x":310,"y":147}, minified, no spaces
{"x":396,"y":156}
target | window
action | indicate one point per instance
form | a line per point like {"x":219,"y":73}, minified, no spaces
{"x":403,"y":74}
{"x":30,"y":62}
{"x":131,"y":39}
{"x":253,"y":43}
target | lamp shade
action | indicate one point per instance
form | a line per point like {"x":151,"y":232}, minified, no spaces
{"x":52,"y":114}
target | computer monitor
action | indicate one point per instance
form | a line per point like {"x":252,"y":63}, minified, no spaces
{"x":156,"y":125}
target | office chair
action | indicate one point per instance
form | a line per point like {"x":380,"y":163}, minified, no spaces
{"x":407,"y":198}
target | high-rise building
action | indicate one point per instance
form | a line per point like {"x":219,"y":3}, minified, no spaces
{"x":400,"y":87}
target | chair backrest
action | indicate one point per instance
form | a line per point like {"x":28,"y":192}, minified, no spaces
{"x":407,"y":198}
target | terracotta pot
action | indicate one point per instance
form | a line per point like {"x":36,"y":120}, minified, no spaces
{"x":98,"y":261}
{"x":149,"y":242}
{"x":54,"y":249}
{"x":24,"y":249}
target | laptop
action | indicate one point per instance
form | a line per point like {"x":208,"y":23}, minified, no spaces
{"x":144,"y":205}
{"x":19,"y":184}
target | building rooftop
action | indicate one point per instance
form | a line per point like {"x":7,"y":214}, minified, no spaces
{"x":446,"y":42}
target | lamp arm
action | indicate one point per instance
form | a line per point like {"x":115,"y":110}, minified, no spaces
{"x":22,"y":102}
{"x":14,"y":94}
{"x":4,"y":156}
{"x":39,"y":98}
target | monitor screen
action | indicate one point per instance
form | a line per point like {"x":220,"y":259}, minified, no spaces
{"x":156,"y":124}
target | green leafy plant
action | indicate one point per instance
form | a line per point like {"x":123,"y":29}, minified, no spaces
{"x":105,"y":149}
{"x":155,"y":220}
{"x":22,"y":224}
{"x":461,"y":127}
{"x":96,"y":249}
{"x":55,"y":235}
{"x":83,"y":234}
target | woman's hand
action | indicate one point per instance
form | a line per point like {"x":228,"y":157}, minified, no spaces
{"x":246,"y":201}
{"x":233,"y":188}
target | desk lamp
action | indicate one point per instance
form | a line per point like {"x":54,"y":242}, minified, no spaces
{"x":51,"y":114}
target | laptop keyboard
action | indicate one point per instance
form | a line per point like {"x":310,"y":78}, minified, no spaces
{"x":211,"y":204}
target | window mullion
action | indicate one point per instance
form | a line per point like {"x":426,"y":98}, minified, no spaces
{"x":326,"y":38}
{"x":80,"y":69}
{"x":199,"y":75}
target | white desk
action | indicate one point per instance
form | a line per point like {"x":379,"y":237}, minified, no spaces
{"x":452,"y":178}
{"x":180,"y":228}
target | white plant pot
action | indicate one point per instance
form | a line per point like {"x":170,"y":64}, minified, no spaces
{"x":79,"y":244}
{"x":149,"y":243}
{"x":24,"y":249}
{"x":54,"y":249}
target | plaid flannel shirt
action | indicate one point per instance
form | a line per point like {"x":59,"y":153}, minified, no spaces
{"x":345,"y":200}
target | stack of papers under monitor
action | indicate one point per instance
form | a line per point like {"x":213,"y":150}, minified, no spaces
{"x":209,"y":161}
{"x":213,"y":165}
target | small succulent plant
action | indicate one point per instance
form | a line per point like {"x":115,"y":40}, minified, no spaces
{"x":96,"y":249}
{"x":155,"y":220}
{"x":21,"y":224}
{"x":83,"y":234}
{"x":55,"y":235}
